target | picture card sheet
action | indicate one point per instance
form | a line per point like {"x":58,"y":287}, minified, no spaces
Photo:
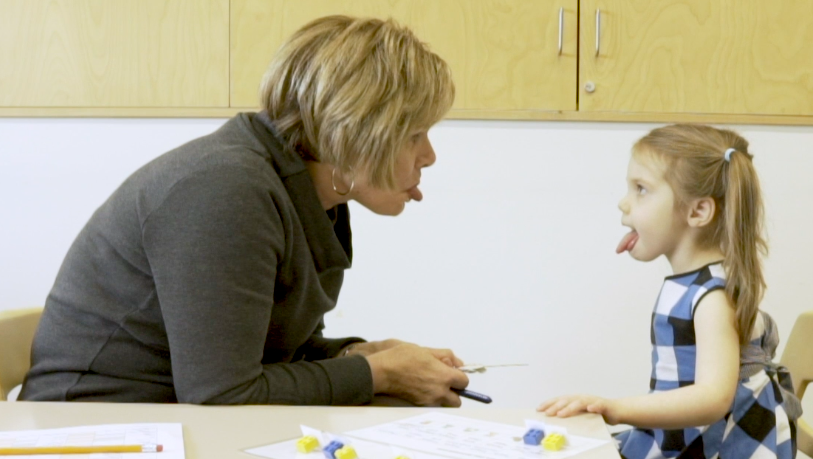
{"x":437,"y":436}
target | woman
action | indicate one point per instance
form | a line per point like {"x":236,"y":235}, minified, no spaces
{"x":205,"y":277}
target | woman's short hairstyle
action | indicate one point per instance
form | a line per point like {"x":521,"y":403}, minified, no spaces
{"x":349,"y":92}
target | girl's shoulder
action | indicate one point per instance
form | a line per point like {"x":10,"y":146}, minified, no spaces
{"x":705,"y":280}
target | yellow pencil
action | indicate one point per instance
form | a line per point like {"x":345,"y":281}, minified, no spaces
{"x":81,"y":449}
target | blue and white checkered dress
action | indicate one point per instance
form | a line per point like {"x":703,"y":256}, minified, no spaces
{"x":761,"y":423}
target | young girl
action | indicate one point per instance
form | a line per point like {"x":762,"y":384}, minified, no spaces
{"x":693,"y":196}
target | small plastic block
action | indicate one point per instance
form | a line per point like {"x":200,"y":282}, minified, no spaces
{"x":331,"y":448}
{"x":346,"y":452}
{"x":307,"y":444}
{"x":533,"y":437}
{"x":554,"y":442}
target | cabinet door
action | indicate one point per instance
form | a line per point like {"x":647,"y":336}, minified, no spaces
{"x":685,"y":56}
{"x":503,"y":54}
{"x":114,"y":53}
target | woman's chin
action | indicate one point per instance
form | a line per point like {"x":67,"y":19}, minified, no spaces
{"x":391,"y":208}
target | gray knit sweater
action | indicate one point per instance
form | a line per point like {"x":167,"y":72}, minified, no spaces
{"x":203,"y":279}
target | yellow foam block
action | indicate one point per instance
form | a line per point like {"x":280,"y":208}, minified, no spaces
{"x":346,"y":452}
{"x":307,"y":444}
{"x":554,"y":442}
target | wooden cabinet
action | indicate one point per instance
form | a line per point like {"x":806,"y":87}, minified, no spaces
{"x":697,"y":56}
{"x":659,"y":60}
{"x":114,"y":53}
{"x":503,"y":54}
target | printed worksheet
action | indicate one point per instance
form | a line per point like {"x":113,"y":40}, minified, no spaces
{"x":450,"y":436}
{"x":436,"y":436}
{"x":169,"y":435}
{"x":364,"y":449}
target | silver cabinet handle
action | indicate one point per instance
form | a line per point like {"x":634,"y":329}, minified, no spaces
{"x":598,"y":31}
{"x":561,"y":27}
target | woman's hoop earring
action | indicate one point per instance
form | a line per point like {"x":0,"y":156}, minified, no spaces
{"x":333,"y":182}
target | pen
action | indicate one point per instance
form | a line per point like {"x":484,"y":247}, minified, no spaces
{"x":472,"y":395}
{"x":81,"y":449}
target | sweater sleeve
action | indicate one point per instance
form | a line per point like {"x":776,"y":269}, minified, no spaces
{"x":317,"y":347}
{"x":213,"y":244}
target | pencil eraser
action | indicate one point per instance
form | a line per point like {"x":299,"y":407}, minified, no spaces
{"x":346,"y":452}
{"x":554,"y":442}
{"x":159,"y":448}
{"x":307,"y":444}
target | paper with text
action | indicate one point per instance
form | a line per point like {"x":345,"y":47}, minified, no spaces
{"x":169,"y":435}
{"x":437,"y":436}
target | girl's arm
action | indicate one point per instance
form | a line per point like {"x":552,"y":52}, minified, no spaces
{"x":704,"y":402}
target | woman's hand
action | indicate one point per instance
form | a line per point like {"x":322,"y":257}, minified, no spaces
{"x":444,"y":355}
{"x":569,"y":405}
{"x":419,"y":375}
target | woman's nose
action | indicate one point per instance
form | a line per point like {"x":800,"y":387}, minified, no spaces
{"x":428,"y":156}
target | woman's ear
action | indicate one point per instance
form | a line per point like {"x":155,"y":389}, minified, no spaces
{"x":701,"y":212}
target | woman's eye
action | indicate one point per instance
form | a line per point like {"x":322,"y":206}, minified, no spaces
{"x":641,"y":190}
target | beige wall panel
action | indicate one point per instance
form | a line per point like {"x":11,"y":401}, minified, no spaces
{"x":698,"y":56}
{"x":503,"y":53}
{"x":114,"y":53}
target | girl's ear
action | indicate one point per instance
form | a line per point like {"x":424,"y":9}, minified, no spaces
{"x":701,"y":212}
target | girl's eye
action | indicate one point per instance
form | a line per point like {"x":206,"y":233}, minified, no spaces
{"x":416,"y":137}
{"x":641,"y":190}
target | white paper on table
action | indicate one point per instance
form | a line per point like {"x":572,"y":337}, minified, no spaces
{"x":364,"y":449}
{"x":437,"y":436}
{"x":450,"y":436}
{"x":169,"y":435}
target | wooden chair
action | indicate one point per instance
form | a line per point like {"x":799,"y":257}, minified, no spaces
{"x":798,"y":357}
{"x":17,"y":329}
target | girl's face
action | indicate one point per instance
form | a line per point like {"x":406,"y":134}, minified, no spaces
{"x":417,"y":154}
{"x":649,"y":210}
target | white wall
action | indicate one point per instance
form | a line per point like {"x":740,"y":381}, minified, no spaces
{"x":509,"y":258}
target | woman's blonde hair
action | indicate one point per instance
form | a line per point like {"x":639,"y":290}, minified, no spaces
{"x":696,"y":167}
{"x":349,"y":92}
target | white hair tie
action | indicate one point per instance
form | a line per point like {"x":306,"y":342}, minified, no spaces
{"x":728,"y":154}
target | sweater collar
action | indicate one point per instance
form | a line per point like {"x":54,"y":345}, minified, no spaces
{"x":330,"y":243}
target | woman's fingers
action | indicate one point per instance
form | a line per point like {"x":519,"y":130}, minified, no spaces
{"x":419,"y":375}
{"x":459,"y":380}
{"x":446,"y":356}
{"x":451,"y":400}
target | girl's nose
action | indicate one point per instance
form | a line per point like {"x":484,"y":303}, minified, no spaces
{"x":623,"y":206}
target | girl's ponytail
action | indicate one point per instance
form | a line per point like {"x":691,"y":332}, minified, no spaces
{"x":742,"y":241}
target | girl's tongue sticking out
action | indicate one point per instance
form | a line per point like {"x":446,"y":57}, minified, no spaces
{"x":627,"y":242}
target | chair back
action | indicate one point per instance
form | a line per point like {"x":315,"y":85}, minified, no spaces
{"x":798,"y":357}
{"x":17,"y":329}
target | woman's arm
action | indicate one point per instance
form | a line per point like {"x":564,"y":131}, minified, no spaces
{"x":704,"y":402}
{"x":317,"y":347}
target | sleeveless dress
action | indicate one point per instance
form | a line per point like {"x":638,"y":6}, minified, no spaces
{"x":761,"y":421}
